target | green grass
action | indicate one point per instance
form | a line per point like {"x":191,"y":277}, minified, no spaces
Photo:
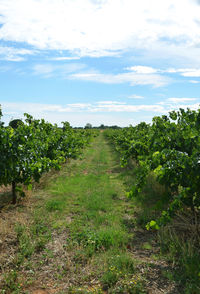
{"x":184,"y":254}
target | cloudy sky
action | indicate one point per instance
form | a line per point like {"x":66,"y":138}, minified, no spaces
{"x":98,"y":61}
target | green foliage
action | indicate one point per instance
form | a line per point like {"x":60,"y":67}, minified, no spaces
{"x":15,"y":123}
{"x":1,"y":123}
{"x":88,"y":126}
{"x":29,"y":149}
{"x":170,"y":148}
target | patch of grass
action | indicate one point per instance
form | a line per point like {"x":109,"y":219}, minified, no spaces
{"x":89,"y":290}
{"x":186,"y":259}
{"x":11,"y":283}
{"x":25,"y":246}
{"x":103,"y":239}
{"x":31,"y":239}
{"x":54,"y":205}
{"x":147,"y":246}
{"x":121,"y":276}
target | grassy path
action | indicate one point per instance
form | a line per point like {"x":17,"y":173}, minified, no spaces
{"x":76,"y":235}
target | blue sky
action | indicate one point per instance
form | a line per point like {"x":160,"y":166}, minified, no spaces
{"x":98,"y":61}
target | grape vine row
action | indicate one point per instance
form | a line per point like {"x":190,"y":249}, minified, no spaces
{"x":30,"y":148}
{"x":169,"y":148}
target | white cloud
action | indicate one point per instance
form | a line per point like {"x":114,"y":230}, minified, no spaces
{"x":65,"y":58}
{"x":136,"y":75}
{"x":174,"y":103}
{"x":127,"y":108}
{"x":43,"y":69}
{"x":110,"y":103}
{"x":75,"y":118}
{"x":191,"y":73}
{"x":100,"y":106}
{"x":181,"y":100}
{"x":80,"y":105}
{"x":14,"y":54}
{"x":194,"y":106}
{"x":99,"y":28}
{"x":185,"y":72}
{"x":194,"y":82}
{"x":133,"y":78}
{"x":106,"y":112}
{"x":135,"y":96}
{"x":142,"y":69}
{"x":171,"y":70}
{"x":49,"y":70}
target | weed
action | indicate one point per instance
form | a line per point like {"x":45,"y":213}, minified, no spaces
{"x":11,"y":283}
{"x":119,"y":266}
{"x":103,"y":239}
{"x":54,"y":205}
{"x":186,"y":259}
{"x":147,"y":246}
{"x":25,"y":247}
{"x":133,"y":285}
{"x":89,"y":290}
{"x":114,"y":196}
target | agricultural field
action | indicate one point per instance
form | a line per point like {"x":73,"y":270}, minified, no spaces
{"x":99,"y":147}
{"x":115,"y":211}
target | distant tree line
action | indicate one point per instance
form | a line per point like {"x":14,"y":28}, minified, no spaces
{"x":101,"y":127}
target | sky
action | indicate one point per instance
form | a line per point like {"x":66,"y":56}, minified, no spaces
{"x":112,"y":62}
